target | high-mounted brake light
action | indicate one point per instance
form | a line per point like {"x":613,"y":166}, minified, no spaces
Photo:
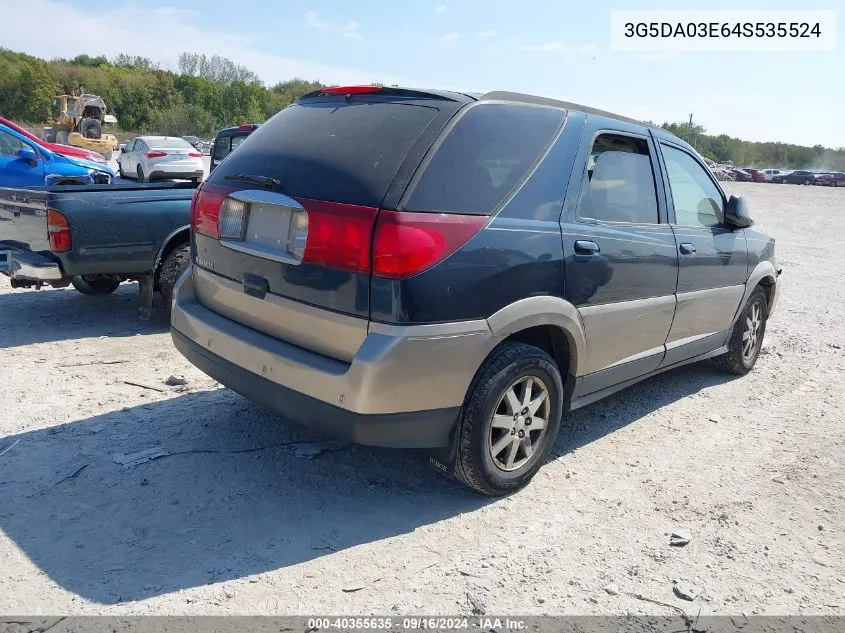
{"x":247,"y":126}
{"x":155,"y":154}
{"x":350,"y":90}
{"x":406,"y":244}
{"x":58,"y":230}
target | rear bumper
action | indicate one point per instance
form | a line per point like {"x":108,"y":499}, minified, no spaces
{"x":417,"y":429}
{"x":26,"y":266}
{"x":403,"y":388}
{"x":161,"y":174}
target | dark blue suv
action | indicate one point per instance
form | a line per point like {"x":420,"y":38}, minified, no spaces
{"x":454,"y":272}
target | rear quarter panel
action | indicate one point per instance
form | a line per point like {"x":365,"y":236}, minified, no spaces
{"x":119,"y":231}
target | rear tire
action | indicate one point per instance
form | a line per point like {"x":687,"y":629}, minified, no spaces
{"x":502,"y":403}
{"x":95,"y":284}
{"x":747,"y":337}
{"x":140,"y":174}
{"x":171,"y":269}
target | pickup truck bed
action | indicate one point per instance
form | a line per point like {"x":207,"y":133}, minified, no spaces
{"x":118,"y":232}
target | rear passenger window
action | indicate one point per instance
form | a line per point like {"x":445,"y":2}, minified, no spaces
{"x":620,"y":182}
{"x":221,"y":147}
{"x":483,"y":158}
{"x":696,"y":198}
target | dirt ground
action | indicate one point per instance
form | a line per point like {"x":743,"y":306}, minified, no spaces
{"x":236,"y":519}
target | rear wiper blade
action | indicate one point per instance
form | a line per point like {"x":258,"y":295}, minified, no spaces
{"x":263,"y":181}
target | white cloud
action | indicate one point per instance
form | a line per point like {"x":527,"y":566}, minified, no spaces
{"x":313,"y":21}
{"x":487,"y":33}
{"x":512,"y":40}
{"x":163,"y":40}
{"x":440,"y":8}
{"x":659,"y":56}
{"x":560,"y":47}
{"x":449,"y":37}
{"x":350,"y":30}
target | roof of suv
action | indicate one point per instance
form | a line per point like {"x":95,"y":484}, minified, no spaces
{"x":497,"y":95}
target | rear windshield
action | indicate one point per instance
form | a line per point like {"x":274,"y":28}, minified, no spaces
{"x":484,"y":157}
{"x":337,"y":151}
{"x":169,"y":143}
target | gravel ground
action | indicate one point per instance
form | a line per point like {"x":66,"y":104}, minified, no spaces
{"x":236,"y":519}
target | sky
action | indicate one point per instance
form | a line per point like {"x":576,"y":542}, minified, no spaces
{"x":543,"y":47}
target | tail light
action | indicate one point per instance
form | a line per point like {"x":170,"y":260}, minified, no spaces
{"x":351,"y":90}
{"x":338,"y":235}
{"x":408,"y":243}
{"x":205,"y":208}
{"x":155,"y":154}
{"x":58,"y":231}
{"x":195,"y":154}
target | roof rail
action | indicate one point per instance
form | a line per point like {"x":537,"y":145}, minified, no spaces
{"x":502,"y":95}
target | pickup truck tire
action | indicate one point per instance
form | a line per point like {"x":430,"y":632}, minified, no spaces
{"x":140,"y":173}
{"x":171,"y":269}
{"x":95,"y":284}
{"x":516,"y":389}
{"x":747,"y":337}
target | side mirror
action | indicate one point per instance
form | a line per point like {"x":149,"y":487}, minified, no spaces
{"x":736,"y":213}
{"x":28,"y":154}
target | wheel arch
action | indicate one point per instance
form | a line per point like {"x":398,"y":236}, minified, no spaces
{"x":552,"y":319}
{"x":764,"y":275}
{"x":177,"y":238}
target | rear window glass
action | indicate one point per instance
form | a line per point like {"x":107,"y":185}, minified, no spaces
{"x":484,"y":157}
{"x":338,"y":151}
{"x":169,"y":143}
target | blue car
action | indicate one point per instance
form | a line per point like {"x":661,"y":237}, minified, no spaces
{"x":25,"y":164}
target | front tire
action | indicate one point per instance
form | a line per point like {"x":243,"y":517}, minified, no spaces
{"x":747,"y":337}
{"x":95,"y":284}
{"x":510,"y":419}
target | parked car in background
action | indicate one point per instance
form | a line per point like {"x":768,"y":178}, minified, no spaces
{"x":25,"y":163}
{"x":797,"y":177}
{"x":56,"y":148}
{"x":831,"y":179}
{"x":95,"y":237}
{"x":756,"y":174}
{"x":438,"y":270}
{"x":227,"y":140}
{"x":150,"y":158}
{"x":741,"y":175}
{"x":194,"y":141}
{"x":772,"y":173}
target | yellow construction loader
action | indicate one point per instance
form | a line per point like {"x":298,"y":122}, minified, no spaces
{"x":78,"y":121}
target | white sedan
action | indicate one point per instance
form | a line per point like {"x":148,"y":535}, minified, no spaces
{"x":149,"y":158}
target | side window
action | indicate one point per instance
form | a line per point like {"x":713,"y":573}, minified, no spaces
{"x":10,"y":145}
{"x":221,"y":147}
{"x":620,"y":182}
{"x":484,"y":156}
{"x":131,"y":146}
{"x":237,"y":140}
{"x":697,"y":200}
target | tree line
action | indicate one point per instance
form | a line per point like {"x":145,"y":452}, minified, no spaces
{"x":722,"y":148}
{"x":207,"y":93}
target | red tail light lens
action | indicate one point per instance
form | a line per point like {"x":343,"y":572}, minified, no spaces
{"x":205,"y":208}
{"x":408,"y":243}
{"x":195,"y":154}
{"x":155,"y":154}
{"x":58,"y":231}
{"x":350,"y":90}
{"x":339,"y":235}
